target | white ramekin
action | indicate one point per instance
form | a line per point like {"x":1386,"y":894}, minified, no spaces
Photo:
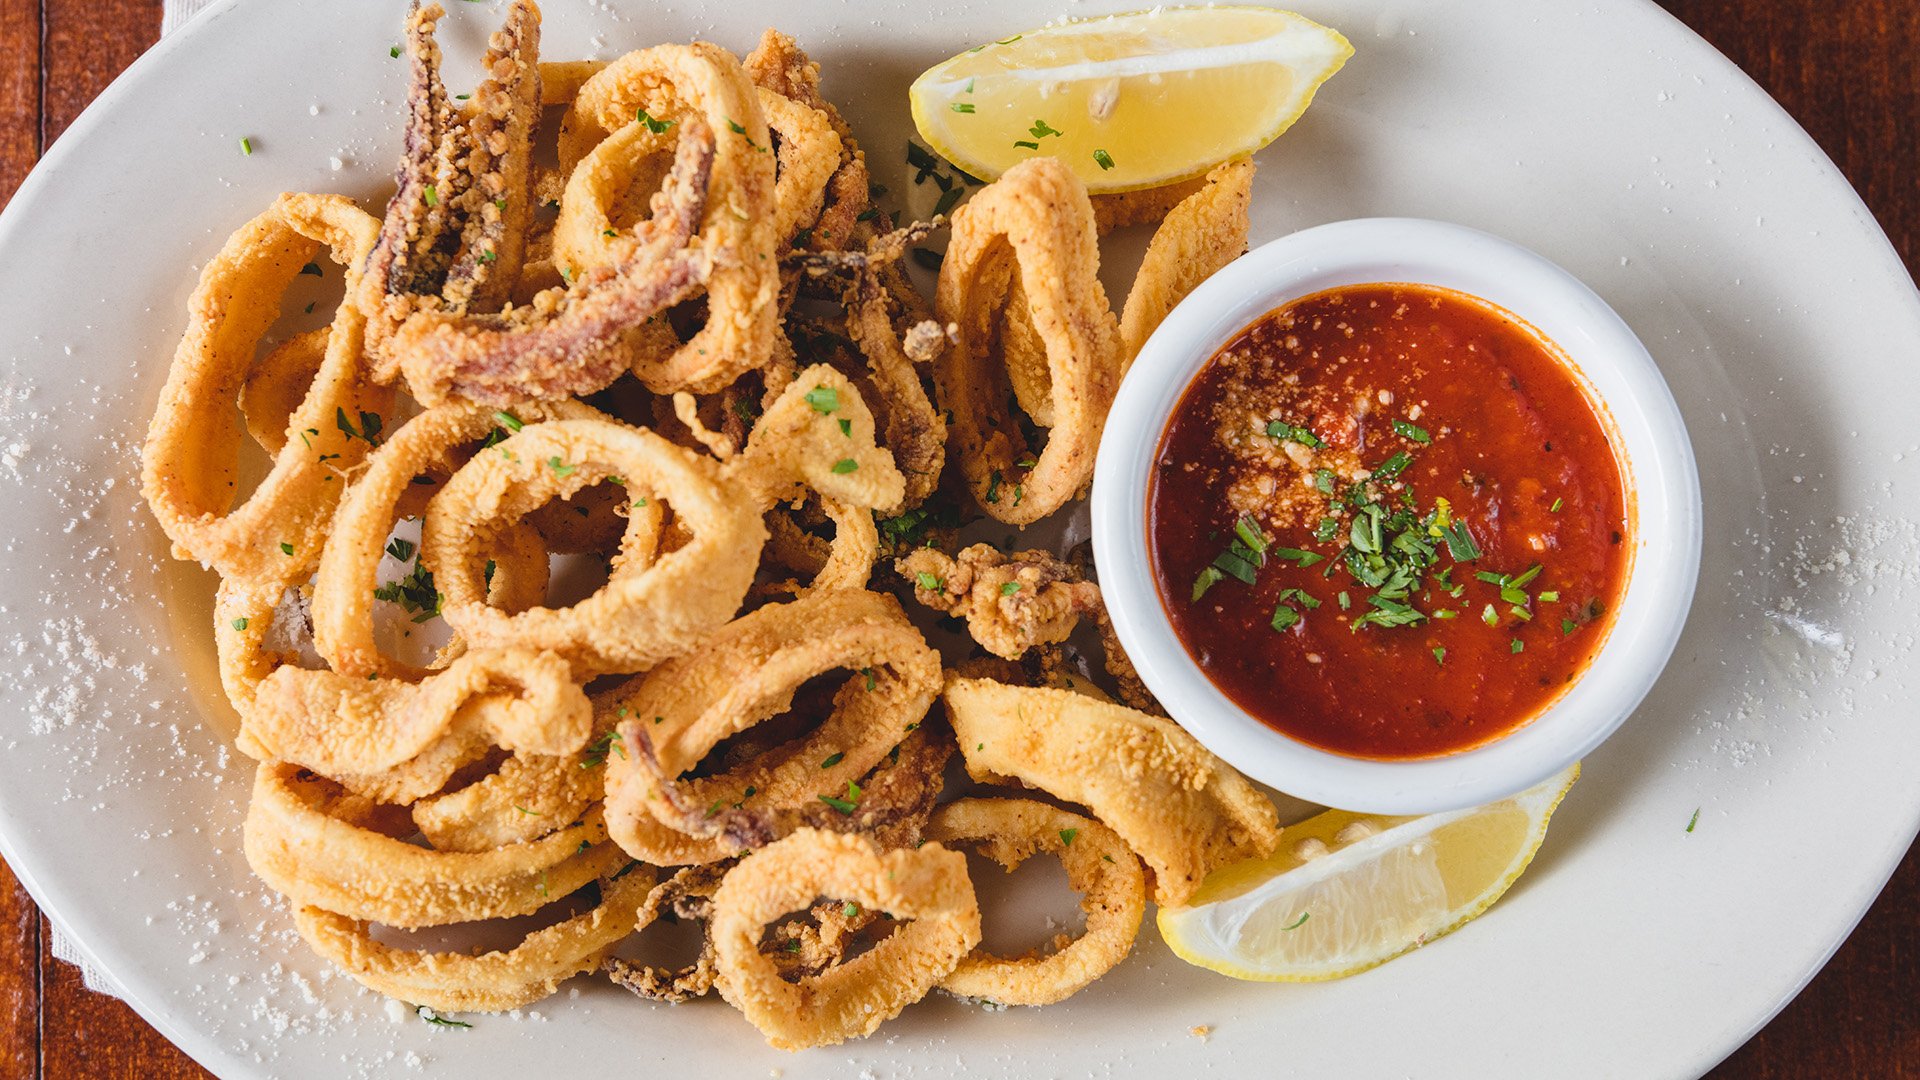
{"x":1663,"y":506}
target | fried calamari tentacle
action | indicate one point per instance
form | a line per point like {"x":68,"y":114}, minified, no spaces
{"x":573,"y":341}
{"x":649,"y":609}
{"x":743,"y":676}
{"x":316,"y":857}
{"x":890,"y":804}
{"x":1182,"y":810}
{"x":1033,"y":227}
{"x":490,"y":982}
{"x":688,"y":896}
{"x":454,"y":234}
{"x":927,"y":885}
{"x":1112,"y":884}
{"x":191,"y":460}
{"x":1021,"y":602}
{"x":344,"y":589}
{"x":1204,"y":232}
{"x":1012,"y":603}
{"x":694,"y":87}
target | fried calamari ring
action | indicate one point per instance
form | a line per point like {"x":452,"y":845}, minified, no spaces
{"x":1112,"y":884}
{"x":277,"y":384}
{"x":647,"y":611}
{"x":343,"y":593}
{"x":927,"y":885}
{"x":845,"y":562}
{"x":699,"y":86}
{"x":522,"y":801}
{"x":805,"y":160}
{"x":1033,"y":227}
{"x":317,"y":858}
{"x":1182,"y":810}
{"x":1204,"y":232}
{"x":742,"y":676}
{"x":1142,"y":206}
{"x":490,"y":982}
{"x":190,"y":464}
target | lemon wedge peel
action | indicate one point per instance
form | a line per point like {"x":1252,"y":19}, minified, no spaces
{"x":1247,"y":904}
{"x":1166,"y":112}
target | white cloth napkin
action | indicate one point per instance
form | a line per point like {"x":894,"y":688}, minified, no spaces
{"x":174,"y":15}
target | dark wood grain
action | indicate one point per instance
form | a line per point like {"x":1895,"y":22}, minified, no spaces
{"x":1843,"y":68}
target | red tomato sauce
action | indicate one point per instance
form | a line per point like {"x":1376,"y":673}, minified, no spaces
{"x":1359,"y":489}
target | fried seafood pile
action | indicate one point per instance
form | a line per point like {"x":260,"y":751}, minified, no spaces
{"x":688,"y":354}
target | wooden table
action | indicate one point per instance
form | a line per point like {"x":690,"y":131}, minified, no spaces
{"x":1843,"y":68}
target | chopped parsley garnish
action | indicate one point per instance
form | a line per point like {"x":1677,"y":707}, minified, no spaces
{"x":1103,"y":159}
{"x":1393,"y":466}
{"x":1026,"y":144}
{"x":369,"y":430}
{"x":1008,"y":588}
{"x":246,"y":146}
{"x":660,"y":126}
{"x":847,"y":805}
{"x":824,"y":399}
{"x":597,"y":751}
{"x":1557,"y":504}
{"x":1297,"y":923}
{"x":947,"y":199}
{"x":1518,"y":645}
{"x":961,"y":106}
{"x":432,"y":194}
{"x":734,"y":126}
{"x":394,"y":52}
{"x":1439,"y":656}
{"x":1209,"y":577}
{"x":1695,"y":820}
{"x":850,"y":909}
{"x":930,"y":582}
{"x":1323,"y":483}
{"x":437,"y":1020}
{"x":844,"y":466}
{"x":560,"y":468}
{"x":1297,"y":557}
{"x":1067,"y":835}
{"x":1411,"y":431}
{"x":509,"y":421}
{"x":833,"y":759}
{"x":401,"y":550}
{"x":239,"y":624}
{"x":1041,"y":130}
{"x":1286,"y":432}
{"x":286,"y":548}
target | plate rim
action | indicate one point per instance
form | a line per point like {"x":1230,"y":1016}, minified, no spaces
{"x":210,"y":1054}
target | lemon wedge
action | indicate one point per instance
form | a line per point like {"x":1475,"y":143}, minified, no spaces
{"x":1347,"y":892}
{"x":1128,"y":101}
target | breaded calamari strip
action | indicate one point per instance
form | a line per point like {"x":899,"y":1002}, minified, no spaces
{"x":1202,"y":233}
{"x":1182,"y":810}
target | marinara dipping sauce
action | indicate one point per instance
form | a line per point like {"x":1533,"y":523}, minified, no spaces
{"x":1387,"y":521}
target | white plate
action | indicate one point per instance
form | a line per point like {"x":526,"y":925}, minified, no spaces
{"x":1606,"y":137}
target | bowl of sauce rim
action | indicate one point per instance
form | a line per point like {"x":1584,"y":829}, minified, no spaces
{"x":1629,"y":646}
